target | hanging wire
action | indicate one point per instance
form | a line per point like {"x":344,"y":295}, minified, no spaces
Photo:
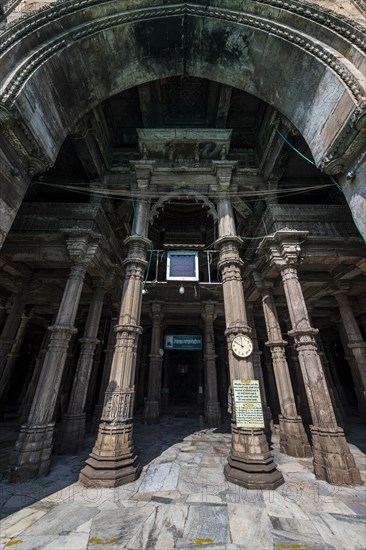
{"x":294,"y":148}
{"x":148,"y":266}
{"x":333,"y":179}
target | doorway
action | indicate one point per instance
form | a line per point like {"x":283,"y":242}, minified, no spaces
{"x":185,"y":379}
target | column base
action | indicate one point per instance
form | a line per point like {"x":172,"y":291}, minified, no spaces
{"x":151,"y":412}
{"x":293,"y":438}
{"x":250,"y":463}
{"x":72,"y":434}
{"x":113,"y":460}
{"x":31,"y":457}
{"x":333,"y":460}
{"x":213,"y":413}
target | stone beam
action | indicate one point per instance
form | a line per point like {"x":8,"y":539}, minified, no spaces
{"x":91,"y":141}
{"x":223,"y":105}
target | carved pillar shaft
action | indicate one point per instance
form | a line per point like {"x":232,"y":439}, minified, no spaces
{"x":320,"y":404}
{"x":293,"y":439}
{"x":257,"y":366}
{"x":151,"y":407}
{"x":113,"y":460}
{"x":249,"y":450}
{"x":105,"y":375}
{"x":355,"y":341}
{"x":13,"y":355}
{"x":10,"y":328}
{"x":333,"y":461}
{"x":31,"y":457}
{"x":72,"y":433}
{"x":31,"y":390}
{"x":212,"y":405}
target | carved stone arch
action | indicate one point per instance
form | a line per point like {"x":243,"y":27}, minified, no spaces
{"x":78,"y":45}
{"x":182,"y":194}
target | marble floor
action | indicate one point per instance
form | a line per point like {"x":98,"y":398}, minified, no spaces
{"x":182,"y":500}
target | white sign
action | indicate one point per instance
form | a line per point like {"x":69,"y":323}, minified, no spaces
{"x":248,"y":404}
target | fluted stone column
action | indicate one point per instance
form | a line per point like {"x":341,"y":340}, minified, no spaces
{"x":336,"y":402}
{"x":355,"y":373}
{"x":32,"y":453}
{"x":293,"y":438}
{"x":31,"y":389}
{"x":355,"y":341}
{"x":144,"y":356}
{"x":72,"y":433}
{"x":257,"y":367}
{"x":109,"y":351}
{"x":212,"y":405}
{"x":13,"y":355}
{"x":113,"y":460}
{"x":250,"y":463}
{"x":152,"y":404}
{"x":333,"y":461}
{"x":11,"y":325}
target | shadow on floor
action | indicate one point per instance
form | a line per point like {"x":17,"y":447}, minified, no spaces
{"x":150,"y":442}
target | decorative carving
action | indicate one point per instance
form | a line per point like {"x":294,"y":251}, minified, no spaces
{"x":21,"y":141}
{"x":182,"y":194}
{"x":118,"y":404}
{"x":350,"y":30}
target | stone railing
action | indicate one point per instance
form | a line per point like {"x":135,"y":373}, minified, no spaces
{"x":319,"y":220}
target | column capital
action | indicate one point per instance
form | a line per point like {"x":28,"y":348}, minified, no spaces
{"x":144,"y":169}
{"x":224,"y":171}
{"x":84,"y":249}
{"x":156,"y":313}
{"x":283,"y":247}
{"x":229,"y":239}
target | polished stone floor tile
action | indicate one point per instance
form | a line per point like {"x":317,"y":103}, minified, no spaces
{"x":182,"y":501}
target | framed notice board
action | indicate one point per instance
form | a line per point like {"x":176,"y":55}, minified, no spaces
{"x":247,"y":404}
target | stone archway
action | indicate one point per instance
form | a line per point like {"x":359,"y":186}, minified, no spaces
{"x":73,"y":55}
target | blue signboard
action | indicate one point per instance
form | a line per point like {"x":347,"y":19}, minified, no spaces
{"x":183,"y":341}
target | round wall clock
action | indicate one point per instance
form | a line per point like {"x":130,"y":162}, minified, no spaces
{"x":242,"y":346}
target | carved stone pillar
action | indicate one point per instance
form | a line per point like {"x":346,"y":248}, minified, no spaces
{"x":355,"y":373}
{"x":257,"y":367}
{"x":32,"y":453}
{"x":11,"y":325}
{"x":336,"y":402}
{"x":333,"y":461}
{"x":113,"y":460}
{"x":72,"y":433}
{"x":355,"y":341}
{"x":13,"y":355}
{"x":144,"y":360}
{"x":250,"y":463}
{"x":293,"y":439}
{"x":31,"y":389}
{"x":105,"y":375}
{"x":212,"y":405}
{"x":152,"y":405}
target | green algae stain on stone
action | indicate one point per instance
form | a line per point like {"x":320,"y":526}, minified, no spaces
{"x":201,"y":542}
{"x":13,"y":542}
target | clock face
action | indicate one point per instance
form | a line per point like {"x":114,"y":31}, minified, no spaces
{"x":242,"y":345}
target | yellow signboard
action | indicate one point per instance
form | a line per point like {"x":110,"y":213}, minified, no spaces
{"x":248,"y":404}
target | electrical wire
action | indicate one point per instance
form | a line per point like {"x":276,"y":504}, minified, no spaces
{"x":333,"y":180}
